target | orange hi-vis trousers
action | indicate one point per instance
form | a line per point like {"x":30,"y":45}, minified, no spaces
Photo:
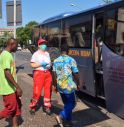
{"x":42,"y":79}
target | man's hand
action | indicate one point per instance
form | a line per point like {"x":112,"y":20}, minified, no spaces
{"x":78,"y":88}
{"x":19,"y":91}
{"x":55,"y":89}
{"x":44,"y":64}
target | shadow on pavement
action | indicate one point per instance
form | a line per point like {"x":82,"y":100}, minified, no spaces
{"x":20,"y":121}
{"x":87,"y":117}
{"x":84,"y":117}
{"x":93,"y":100}
{"x":31,"y":75}
{"x":21,"y":67}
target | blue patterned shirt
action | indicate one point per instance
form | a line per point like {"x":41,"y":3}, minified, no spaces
{"x":64,"y":67}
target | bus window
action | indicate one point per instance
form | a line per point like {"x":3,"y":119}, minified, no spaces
{"x":120,"y":32}
{"x":99,"y":31}
{"x":43,"y":32}
{"x":53,"y":41}
{"x":99,"y":36}
{"x":81,"y":35}
{"x":114,"y":36}
{"x":36,"y":34}
{"x":66,"y":37}
{"x":110,"y":29}
{"x":54,"y":34}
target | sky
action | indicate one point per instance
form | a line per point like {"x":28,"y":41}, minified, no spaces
{"x":40,"y":10}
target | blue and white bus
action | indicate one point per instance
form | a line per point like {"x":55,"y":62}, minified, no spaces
{"x":96,"y":40}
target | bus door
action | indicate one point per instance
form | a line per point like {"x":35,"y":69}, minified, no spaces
{"x":98,"y":42}
{"x":79,"y":39}
{"x":113,"y":61}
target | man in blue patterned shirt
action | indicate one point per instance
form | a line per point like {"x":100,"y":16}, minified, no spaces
{"x":66,"y":72}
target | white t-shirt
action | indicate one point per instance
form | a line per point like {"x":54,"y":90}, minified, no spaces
{"x":39,"y":58}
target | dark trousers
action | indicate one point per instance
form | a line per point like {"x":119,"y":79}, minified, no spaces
{"x":69,"y":105}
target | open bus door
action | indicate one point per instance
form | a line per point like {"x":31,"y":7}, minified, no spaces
{"x":98,"y":42}
{"x":113,"y":62}
{"x":79,"y":39}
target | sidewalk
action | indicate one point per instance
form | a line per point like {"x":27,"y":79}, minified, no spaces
{"x":84,"y":116}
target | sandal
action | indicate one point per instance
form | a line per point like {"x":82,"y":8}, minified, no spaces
{"x":59,"y":121}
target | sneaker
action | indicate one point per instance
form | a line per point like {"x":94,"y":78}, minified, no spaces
{"x":44,"y":110}
{"x":59,"y":121}
{"x":48,"y":111}
{"x":32,"y":104}
{"x":32,"y":111}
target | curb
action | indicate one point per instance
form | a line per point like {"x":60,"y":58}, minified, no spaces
{"x":104,"y":111}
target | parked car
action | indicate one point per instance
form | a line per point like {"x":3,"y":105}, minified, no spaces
{"x":19,"y":48}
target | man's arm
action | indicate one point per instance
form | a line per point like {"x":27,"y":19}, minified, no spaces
{"x":76,"y":78}
{"x":75,"y":72}
{"x":10,"y":78}
{"x":54,"y":83}
{"x":35,"y":65}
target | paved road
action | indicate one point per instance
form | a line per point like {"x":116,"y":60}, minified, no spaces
{"x":85,"y":115}
{"x":23,"y":62}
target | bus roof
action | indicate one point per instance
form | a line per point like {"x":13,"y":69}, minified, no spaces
{"x":60,"y":16}
{"x":69,"y":14}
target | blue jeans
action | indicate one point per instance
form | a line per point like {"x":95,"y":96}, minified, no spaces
{"x":69,"y":105}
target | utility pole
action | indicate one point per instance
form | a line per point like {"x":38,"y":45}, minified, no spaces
{"x":0,"y":9}
{"x":14,"y":24}
{"x":14,"y":18}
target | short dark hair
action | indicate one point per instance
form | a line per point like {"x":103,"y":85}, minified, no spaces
{"x":10,"y":40}
{"x":64,"y":47}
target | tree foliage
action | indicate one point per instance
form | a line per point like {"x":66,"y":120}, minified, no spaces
{"x":4,"y":38}
{"x":24,"y":34}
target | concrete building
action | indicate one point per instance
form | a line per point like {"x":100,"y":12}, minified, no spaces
{"x":8,"y":31}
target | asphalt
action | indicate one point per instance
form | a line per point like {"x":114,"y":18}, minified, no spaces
{"x":84,"y":115}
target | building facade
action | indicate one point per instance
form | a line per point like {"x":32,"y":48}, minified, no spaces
{"x":6,"y":31}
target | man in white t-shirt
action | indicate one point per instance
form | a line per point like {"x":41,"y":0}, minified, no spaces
{"x":41,"y":64}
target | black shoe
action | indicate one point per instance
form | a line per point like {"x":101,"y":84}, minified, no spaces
{"x":48,"y":111}
{"x":44,"y":109}
{"x":32,"y":111}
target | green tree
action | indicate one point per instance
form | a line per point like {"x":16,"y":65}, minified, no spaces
{"x":24,"y":34}
{"x":29,"y":28}
{"x":21,"y":36}
{"x":4,"y":38}
{"x":7,"y":35}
